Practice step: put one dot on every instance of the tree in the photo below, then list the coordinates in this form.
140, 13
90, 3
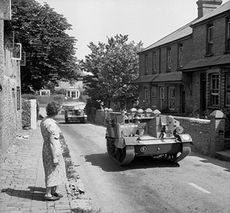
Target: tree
50, 51
114, 65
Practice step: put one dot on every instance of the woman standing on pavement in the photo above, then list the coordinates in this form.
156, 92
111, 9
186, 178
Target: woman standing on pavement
53, 161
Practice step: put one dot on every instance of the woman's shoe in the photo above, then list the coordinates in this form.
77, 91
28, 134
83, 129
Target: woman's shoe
57, 194
51, 198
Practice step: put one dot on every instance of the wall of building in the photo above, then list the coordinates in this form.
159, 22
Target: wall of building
161, 68
161, 56
200, 36
10, 105
1, 79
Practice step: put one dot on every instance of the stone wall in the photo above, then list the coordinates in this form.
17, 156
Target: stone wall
10, 103
202, 132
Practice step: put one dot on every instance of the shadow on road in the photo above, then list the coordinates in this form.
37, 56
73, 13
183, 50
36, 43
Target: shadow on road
217, 162
107, 164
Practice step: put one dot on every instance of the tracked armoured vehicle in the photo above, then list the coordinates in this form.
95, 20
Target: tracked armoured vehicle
145, 133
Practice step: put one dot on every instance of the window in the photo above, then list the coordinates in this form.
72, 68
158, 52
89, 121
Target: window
18, 98
73, 94
146, 95
214, 90
162, 93
209, 50
146, 64
228, 35
162, 98
154, 95
172, 98
169, 61
154, 62
227, 97
180, 55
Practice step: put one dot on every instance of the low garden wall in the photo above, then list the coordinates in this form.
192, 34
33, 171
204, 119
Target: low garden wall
203, 134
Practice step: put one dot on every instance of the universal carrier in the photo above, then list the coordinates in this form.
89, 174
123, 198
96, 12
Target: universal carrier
145, 133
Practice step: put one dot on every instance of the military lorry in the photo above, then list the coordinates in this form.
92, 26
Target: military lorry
145, 133
74, 111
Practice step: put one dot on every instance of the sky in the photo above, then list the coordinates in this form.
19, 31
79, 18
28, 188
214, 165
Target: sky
142, 20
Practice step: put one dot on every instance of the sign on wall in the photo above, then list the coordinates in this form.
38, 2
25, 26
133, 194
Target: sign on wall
5, 9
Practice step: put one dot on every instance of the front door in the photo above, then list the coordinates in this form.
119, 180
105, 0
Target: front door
182, 106
202, 93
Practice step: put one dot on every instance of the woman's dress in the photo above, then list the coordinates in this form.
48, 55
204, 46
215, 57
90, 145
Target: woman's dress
55, 174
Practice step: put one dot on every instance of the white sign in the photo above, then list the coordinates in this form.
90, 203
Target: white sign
5, 9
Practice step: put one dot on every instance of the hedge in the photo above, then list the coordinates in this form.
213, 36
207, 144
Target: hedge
26, 114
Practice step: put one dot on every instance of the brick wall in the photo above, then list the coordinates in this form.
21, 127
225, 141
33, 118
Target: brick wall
10, 115
199, 38
161, 67
187, 50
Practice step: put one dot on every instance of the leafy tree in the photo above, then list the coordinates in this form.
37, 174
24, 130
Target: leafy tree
49, 49
114, 65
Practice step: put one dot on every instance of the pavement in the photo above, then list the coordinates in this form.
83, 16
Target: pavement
22, 183
223, 155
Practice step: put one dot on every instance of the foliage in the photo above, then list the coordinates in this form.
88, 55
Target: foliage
25, 113
60, 91
44, 100
114, 65
29, 96
26, 97
49, 49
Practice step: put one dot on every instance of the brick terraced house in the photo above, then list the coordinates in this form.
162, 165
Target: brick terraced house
188, 71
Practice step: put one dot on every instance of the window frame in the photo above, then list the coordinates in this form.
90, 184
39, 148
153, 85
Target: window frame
146, 95
227, 90
209, 39
154, 62
172, 99
154, 94
227, 40
169, 59
146, 64
73, 94
214, 90
68, 93
180, 55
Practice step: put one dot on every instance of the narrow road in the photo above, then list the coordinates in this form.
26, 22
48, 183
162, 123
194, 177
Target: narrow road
196, 184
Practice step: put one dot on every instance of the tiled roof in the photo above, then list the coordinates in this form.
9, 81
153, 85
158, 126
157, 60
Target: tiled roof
145, 79
205, 62
221, 9
162, 77
186, 30
168, 77
178, 34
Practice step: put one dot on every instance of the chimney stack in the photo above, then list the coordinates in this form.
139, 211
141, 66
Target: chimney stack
206, 6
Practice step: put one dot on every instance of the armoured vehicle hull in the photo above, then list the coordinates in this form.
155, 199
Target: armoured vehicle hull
158, 136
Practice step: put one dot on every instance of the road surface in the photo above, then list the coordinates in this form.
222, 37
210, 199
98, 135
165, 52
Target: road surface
197, 184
